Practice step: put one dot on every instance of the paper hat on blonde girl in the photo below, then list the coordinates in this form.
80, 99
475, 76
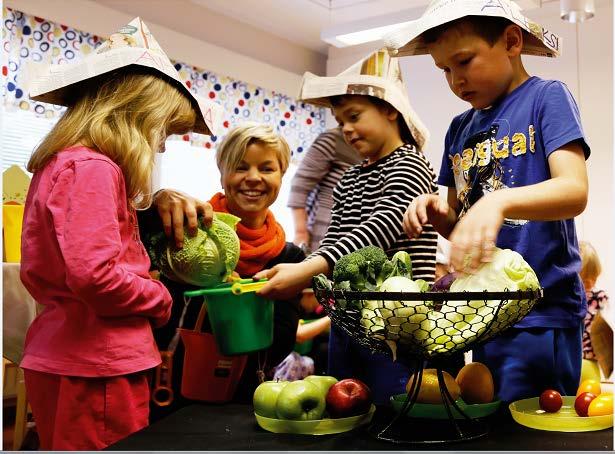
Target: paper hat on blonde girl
376, 75
133, 44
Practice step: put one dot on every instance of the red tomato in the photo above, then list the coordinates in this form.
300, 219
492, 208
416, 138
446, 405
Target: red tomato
581, 403
550, 401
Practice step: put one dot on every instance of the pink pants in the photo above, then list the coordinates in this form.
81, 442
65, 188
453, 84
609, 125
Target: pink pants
82, 413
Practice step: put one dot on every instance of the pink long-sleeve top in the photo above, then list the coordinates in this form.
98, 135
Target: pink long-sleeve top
83, 260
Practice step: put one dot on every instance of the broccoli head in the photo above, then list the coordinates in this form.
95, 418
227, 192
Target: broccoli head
376, 259
361, 269
350, 268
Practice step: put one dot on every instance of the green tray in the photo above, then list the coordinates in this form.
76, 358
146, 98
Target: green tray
436, 411
316, 427
527, 412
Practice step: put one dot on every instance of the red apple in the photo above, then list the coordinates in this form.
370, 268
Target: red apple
348, 397
581, 403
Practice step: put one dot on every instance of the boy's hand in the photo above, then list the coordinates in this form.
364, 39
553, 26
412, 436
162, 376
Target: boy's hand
473, 238
426, 208
173, 206
286, 280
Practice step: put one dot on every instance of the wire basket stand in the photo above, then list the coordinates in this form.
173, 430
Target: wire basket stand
413, 327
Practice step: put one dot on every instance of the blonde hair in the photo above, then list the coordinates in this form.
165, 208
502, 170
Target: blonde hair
590, 262
233, 148
126, 116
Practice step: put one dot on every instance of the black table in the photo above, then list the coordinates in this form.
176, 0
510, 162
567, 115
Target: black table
230, 427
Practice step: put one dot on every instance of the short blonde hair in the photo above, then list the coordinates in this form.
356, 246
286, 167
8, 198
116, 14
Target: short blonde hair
233, 148
590, 262
125, 115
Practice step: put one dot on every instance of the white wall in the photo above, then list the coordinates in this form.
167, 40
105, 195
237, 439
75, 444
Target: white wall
92, 17
586, 66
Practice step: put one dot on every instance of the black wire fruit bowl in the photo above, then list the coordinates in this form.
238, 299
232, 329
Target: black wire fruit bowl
413, 327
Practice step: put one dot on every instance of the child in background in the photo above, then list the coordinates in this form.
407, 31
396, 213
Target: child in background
370, 104
311, 192
88, 354
597, 301
515, 167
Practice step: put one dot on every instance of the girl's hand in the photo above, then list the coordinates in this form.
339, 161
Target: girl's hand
175, 206
473, 238
425, 209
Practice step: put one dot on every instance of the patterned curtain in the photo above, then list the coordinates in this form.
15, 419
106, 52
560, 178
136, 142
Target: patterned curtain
29, 38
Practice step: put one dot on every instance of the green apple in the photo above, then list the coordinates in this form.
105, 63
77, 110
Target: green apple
324, 381
266, 397
301, 400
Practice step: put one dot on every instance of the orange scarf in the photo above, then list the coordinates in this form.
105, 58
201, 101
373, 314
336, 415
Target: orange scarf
256, 246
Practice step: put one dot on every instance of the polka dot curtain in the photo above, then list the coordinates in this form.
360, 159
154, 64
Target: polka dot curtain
28, 38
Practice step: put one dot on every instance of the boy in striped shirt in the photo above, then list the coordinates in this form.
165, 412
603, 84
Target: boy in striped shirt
370, 104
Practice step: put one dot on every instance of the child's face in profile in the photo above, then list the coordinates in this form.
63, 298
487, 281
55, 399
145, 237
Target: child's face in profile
475, 71
370, 130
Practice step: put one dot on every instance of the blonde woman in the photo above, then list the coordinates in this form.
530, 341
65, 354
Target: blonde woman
87, 355
252, 160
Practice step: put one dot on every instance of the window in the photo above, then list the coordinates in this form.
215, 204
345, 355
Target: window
184, 167
22, 130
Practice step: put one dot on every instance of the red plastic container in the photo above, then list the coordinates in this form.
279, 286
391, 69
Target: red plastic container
207, 374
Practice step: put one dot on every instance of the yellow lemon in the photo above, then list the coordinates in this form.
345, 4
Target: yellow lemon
429, 392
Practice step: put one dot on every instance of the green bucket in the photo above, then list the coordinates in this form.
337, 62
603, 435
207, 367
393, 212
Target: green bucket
241, 323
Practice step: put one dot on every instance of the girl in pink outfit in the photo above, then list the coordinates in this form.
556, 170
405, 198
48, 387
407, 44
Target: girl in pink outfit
88, 354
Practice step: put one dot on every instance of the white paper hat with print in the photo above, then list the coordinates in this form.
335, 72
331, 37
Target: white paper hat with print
407, 39
376, 75
133, 44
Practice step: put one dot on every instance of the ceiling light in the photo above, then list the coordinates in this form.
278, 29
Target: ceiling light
366, 30
359, 37
577, 10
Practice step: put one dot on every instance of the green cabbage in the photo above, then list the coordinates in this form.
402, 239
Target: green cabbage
460, 322
206, 259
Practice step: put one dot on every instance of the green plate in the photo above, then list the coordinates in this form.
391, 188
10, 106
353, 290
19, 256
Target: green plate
316, 427
436, 411
527, 412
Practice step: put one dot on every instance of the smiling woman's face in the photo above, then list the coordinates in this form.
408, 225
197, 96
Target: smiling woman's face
254, 185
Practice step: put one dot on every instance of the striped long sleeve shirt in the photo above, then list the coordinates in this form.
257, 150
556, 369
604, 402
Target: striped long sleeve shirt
368, 207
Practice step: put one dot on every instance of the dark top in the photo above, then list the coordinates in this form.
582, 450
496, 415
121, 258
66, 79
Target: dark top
286, 319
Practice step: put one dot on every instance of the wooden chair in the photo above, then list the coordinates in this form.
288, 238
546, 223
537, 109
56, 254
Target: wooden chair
13, 384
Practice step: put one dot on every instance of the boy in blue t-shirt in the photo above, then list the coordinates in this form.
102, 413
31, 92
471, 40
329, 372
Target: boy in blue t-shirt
515, 167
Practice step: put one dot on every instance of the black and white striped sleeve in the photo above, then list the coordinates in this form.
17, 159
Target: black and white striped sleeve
402, 179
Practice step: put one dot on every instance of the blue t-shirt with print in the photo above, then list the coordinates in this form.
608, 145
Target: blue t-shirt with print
507, 146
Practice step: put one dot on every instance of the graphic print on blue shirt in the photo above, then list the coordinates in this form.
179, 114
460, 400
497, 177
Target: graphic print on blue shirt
507, 146
484, 174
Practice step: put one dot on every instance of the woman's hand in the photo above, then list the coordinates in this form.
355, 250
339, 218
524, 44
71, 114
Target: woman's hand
175, 206
426, 209
287, 280
473, 238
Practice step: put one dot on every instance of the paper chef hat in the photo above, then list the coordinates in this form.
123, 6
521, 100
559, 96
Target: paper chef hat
407, 39
376, 75
133, 44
